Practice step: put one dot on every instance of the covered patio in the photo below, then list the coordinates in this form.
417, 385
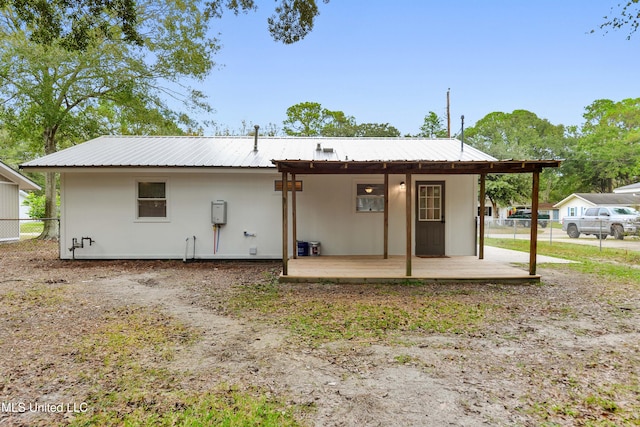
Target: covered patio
376, 269
406, 268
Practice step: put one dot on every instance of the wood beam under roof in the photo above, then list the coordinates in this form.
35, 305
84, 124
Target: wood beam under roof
422, 167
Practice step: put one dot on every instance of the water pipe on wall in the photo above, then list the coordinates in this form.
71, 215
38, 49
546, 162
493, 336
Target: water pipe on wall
186, 249
75, 244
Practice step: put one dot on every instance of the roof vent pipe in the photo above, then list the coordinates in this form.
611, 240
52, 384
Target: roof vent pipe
462, 135
255, 138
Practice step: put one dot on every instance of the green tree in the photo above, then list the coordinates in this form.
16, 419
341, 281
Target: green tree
72, 24
336, 123
52, 91
376, 130
607, 151
507, 190
109, 118
432, 127
311, 119
518, 135
628, 16
293, 20
305, 119
36, 203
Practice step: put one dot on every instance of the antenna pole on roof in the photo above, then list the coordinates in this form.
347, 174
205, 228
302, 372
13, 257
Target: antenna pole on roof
462, 135
255, 138
448, 116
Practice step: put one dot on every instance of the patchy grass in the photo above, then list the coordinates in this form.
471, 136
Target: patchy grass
224, 406
120, 362
130, 384
22, 299
324, 314
404, 359
563, 352
31, 226
594, 405
129, 332
612, 264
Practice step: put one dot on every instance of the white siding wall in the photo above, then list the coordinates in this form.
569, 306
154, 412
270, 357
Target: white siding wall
461, 211
103, 206
23, 210
9, 230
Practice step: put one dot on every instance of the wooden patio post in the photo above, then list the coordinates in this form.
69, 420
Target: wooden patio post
386, 215
533, 248
285, 224
481, 215
294, 225
408, 186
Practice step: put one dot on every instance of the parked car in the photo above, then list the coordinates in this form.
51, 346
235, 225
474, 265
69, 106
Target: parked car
523, 217
603, 221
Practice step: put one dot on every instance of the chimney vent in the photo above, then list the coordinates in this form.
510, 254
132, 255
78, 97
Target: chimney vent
255, 138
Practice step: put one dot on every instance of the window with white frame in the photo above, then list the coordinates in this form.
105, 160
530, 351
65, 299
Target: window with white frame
151, 199
573, 211
369, 197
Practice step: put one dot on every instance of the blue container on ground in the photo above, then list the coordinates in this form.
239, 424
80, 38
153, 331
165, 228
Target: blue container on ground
303, 248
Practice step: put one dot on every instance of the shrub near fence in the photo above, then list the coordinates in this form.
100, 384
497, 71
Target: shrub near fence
12, 230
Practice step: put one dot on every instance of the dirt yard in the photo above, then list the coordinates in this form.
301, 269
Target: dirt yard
565, 352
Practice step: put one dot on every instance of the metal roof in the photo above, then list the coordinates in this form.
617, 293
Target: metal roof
238, 152
632, 188
22, 181
602, 199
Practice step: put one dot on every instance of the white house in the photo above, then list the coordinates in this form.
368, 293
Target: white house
221, 197
577, 203
23, 212
628, 189
12, 184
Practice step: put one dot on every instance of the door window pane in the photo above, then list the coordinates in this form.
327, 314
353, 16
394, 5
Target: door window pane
429, 202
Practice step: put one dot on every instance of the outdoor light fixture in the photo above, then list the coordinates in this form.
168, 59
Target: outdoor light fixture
368, 190
402, 186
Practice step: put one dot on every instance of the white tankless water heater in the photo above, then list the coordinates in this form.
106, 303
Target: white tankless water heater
219, 212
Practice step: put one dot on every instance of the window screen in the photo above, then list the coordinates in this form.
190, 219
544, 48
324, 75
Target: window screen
152, 200
369, 197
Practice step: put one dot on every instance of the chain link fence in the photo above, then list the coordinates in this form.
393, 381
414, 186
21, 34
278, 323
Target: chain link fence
551, 231
20, 240
15, 230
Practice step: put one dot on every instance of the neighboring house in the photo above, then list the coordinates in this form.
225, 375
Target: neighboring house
628, 189
488, 211
577, 203
221, 197
11, 184
24, 209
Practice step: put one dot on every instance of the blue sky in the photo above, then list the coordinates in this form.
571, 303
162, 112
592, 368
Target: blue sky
392, 62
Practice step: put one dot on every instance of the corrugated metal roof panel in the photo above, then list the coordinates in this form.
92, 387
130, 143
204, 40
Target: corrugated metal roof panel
237, 152
9, 175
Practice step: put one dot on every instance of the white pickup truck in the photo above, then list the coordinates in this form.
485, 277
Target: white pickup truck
603, 221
